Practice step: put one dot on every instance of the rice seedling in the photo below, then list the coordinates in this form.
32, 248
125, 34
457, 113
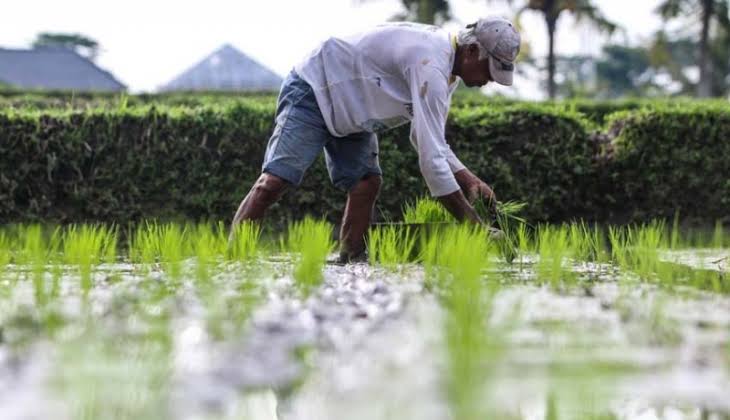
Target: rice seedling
585, 243
167, 244
504, 214
144, 245
500, 212
5, 251
505, 217
311, 241
208, 244
674, 236
698, 238
87, 245
554, 249
426, 210
462, 255
116, 375
429, 247
244, 242
227, 305
718, 236
56, 260
174, 248
645, 242
505, 238
523, 240
32, 258
597, 238
637, 249
578, 401
619, 243
460, 248
672, 274
391, 245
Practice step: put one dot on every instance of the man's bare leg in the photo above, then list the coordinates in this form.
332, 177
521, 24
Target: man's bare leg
265, 192
358, 213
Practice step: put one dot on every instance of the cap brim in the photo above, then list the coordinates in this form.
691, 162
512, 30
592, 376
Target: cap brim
503, 77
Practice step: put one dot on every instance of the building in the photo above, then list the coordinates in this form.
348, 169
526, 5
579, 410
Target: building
54, 68
226, 69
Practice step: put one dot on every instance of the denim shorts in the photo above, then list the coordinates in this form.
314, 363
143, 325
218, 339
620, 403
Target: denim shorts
301, 134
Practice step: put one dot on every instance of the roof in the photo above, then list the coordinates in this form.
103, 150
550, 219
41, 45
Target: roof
54, 68
226, 69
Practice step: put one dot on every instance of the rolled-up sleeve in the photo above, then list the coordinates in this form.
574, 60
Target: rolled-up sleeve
430, 95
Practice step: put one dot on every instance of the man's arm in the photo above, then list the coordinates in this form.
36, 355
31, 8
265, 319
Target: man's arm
447, 178
460, 202
459, 207
430, 100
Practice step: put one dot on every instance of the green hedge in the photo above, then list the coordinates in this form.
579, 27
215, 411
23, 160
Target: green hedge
138, 161
668, 160
60, 100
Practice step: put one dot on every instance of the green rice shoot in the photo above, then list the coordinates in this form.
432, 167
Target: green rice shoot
86, 246
245, 240
311, 241
426, 210
391, 246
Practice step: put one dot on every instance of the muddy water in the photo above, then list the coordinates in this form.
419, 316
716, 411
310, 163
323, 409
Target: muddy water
368, 343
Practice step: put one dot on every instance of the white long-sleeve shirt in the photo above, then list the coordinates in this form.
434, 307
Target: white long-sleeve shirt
386, 77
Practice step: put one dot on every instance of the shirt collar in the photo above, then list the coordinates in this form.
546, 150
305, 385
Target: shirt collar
454, 45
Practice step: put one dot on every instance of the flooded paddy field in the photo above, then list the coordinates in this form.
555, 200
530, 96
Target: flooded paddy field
176, 322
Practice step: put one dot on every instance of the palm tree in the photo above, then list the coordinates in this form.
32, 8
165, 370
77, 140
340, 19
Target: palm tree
707, 10
426, 11
431, 12
83, 45
551, 11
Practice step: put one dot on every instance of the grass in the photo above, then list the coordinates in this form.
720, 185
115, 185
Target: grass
311, 241
391, 246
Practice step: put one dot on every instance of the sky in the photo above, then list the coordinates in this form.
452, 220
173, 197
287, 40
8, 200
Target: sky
146, 43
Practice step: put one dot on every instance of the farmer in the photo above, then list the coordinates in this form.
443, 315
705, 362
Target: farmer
349, 88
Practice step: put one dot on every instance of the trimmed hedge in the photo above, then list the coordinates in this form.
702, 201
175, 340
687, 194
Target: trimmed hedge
672, 160
60, 100
132, 162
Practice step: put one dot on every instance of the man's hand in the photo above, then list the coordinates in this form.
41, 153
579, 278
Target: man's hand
475, 188
459, 203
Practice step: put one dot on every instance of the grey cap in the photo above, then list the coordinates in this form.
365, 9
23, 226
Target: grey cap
502, 41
